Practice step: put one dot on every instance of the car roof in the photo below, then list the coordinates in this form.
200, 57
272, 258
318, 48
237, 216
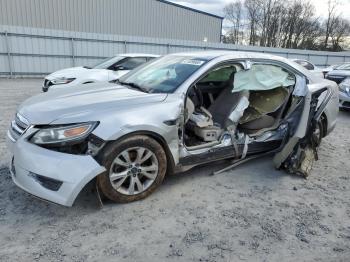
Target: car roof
137, 55
228, 54
209, 55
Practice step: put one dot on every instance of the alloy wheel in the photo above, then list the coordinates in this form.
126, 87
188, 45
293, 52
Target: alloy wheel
133, 171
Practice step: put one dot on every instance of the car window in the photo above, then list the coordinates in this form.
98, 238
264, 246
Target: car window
165, 74
150, 58
108, 62
222, 74
309, 66
132, 62
305, 64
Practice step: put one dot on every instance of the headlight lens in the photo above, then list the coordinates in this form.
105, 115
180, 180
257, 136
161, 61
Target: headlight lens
345, 84
62, 80
63, 134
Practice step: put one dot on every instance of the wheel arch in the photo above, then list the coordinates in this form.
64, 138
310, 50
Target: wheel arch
161, 140
324, 122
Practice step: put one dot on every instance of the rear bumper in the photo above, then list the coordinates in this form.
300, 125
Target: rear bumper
49, 175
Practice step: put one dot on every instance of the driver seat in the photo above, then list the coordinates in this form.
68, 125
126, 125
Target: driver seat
225, 103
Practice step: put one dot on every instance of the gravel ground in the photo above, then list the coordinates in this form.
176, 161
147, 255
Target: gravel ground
252, 213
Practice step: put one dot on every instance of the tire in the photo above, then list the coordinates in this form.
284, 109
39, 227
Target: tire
318, 132
135, 184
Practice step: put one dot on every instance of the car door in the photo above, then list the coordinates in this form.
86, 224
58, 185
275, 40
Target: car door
300, 150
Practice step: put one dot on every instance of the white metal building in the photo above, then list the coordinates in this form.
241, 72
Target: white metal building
146, 18
38, 37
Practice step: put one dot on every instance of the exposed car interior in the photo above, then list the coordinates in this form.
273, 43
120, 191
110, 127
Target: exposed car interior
236, 102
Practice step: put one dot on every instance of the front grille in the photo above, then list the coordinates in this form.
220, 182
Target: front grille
47, 83
18, 127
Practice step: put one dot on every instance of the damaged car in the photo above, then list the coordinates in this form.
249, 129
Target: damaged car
172, 114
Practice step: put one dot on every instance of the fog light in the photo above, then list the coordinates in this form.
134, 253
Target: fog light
49, 183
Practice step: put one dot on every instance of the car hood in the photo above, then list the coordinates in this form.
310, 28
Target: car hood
339, 73
75, 72
83, 103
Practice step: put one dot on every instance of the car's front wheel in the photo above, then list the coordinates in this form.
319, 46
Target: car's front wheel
135, 167
318, 133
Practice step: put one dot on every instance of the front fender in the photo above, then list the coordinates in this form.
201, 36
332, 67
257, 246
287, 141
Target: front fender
162, 119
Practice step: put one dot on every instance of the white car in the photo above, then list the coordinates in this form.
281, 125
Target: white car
310, 66
109, 69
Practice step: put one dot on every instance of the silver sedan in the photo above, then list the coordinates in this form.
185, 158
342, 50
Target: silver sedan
167, 116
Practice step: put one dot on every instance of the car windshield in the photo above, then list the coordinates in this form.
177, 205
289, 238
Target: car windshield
106, 63
343, 67
163, 75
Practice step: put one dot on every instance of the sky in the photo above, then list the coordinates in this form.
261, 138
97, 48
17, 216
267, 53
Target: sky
216, 6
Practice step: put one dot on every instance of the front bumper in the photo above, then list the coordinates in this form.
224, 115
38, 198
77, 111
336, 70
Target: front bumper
344, 99
72, 172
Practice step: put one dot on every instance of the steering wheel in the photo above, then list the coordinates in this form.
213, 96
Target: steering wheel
199, 96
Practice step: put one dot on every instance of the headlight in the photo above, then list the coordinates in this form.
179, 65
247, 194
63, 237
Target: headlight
62, 80
345, 84
63, 134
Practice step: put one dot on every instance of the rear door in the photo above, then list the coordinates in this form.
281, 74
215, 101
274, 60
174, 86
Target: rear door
300, 149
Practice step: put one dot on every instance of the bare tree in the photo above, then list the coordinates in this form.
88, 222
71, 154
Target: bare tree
340, 30
287, 24
234, 12
253, 17
331, 18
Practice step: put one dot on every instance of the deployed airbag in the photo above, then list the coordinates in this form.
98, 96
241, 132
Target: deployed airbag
262, 77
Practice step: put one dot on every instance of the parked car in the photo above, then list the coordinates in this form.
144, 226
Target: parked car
109, 69
310, 66
167, 116
341, 75
327, 69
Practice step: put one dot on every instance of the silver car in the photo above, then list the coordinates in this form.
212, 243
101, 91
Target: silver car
167, 116
341, 75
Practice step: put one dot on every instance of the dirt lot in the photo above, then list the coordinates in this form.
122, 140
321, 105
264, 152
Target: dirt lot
252, 213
